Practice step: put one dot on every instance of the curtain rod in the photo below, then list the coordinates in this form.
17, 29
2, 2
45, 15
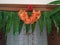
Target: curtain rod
17, 7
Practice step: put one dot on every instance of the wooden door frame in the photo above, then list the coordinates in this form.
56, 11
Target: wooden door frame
54, 37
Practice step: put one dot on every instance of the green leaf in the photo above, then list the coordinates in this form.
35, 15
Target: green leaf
33, 27
15, 23
56, 13
27, 27
4, 20
20, 26
1, 20
57, 16
4, 16
56, 10
0, 15
48, 23
56, 24
41, 22
9, 22
55, 2
50, 13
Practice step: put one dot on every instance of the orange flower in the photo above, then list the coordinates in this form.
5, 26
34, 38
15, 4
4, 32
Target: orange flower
29, 20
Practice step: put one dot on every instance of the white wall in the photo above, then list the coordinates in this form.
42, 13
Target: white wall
25, 1
23, 39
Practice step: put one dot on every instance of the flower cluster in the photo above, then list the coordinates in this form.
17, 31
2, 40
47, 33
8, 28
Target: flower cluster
29, 20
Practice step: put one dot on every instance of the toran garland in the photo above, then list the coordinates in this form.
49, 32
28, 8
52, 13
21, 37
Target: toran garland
29, 20
7, 19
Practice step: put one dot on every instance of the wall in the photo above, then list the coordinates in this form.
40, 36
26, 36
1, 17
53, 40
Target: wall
36, 38
25, 1
23, 39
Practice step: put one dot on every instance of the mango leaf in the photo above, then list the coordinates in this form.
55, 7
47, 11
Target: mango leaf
55, 2
9, 22
0, 15
4, 15
15, 23
57, 16
4, 20
41, 22
1, 19
20, 25
27, 27
50, 13
48, 23
56, 24
56, 10
33, 26
56, 13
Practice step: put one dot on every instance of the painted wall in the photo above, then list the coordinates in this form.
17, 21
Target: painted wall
32, 39
25, 1
23, 39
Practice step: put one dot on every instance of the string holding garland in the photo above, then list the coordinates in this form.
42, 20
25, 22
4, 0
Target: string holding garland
10, 18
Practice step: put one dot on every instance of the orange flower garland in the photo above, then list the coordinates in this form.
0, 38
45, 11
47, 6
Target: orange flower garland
29, 20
